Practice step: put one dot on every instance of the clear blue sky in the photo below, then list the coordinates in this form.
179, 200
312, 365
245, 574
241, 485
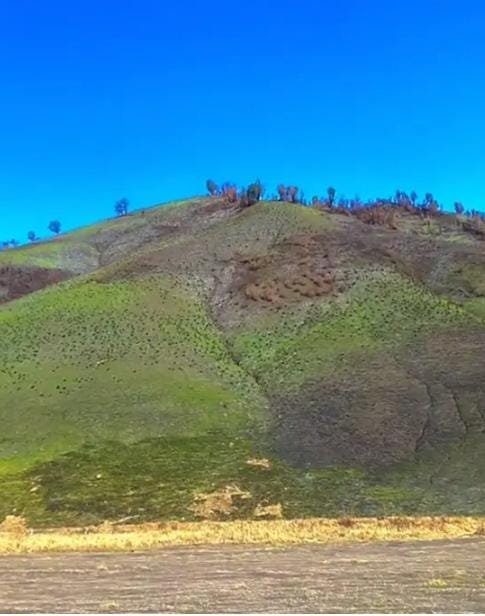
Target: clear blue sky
146, 99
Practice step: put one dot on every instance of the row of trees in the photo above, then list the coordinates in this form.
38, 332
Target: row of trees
255, 191
380, 211
292, 194
121, 209
54, 227
246, 196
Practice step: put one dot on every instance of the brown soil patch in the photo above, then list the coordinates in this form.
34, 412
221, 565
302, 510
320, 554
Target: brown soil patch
297, 269
16, 282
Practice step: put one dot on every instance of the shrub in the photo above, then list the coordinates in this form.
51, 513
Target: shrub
55, 226
121, 207
292, 192
376, 215
229, 192
253, 194
212, 188
474, 225
282, 192
14, 525
459, 208
9, 243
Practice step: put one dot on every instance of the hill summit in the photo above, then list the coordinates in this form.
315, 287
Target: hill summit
204, 359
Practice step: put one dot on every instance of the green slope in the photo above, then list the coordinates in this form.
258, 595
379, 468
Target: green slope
122, 360
381, 313
152, 377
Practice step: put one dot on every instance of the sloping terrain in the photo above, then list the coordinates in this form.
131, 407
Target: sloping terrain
202, 354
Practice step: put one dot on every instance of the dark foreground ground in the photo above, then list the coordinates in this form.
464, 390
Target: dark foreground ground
441, 576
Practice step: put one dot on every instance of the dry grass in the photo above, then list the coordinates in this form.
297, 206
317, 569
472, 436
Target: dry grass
263, 463
269, 512
113, 537
14, 526
218, 504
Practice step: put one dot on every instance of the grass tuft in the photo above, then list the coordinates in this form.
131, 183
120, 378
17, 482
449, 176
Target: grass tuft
274, 532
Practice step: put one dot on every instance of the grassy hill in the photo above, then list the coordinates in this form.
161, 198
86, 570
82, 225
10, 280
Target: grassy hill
197, 359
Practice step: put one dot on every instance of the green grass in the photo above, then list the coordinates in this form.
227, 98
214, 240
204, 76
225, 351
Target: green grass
122, 360
265, 224
136, 220
158, 478
387, 311
79, 251
62, 253
444, 480
120, 397
470, 278
476, 307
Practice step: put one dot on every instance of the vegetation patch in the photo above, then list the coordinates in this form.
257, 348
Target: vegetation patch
209, 477
121, 360
150, 386
256, 532
388, 311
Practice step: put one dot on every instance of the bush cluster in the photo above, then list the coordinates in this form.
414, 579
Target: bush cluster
378, 211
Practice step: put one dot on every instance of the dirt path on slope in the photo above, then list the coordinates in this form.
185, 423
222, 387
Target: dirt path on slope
441, 576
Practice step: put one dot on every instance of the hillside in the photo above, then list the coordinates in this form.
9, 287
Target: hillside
201, 359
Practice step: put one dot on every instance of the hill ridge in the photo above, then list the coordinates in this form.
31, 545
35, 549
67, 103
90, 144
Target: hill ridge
347, 355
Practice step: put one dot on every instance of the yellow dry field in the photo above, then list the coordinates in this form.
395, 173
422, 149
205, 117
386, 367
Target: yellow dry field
15, 537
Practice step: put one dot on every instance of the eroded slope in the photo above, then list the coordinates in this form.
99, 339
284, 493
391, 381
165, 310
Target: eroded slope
201, 336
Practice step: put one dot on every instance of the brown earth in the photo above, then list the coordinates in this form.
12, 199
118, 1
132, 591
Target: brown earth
17, 281
440, 576
384, 408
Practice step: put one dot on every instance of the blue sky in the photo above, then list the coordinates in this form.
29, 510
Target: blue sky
146, 99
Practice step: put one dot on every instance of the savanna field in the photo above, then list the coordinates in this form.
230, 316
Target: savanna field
213, 360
